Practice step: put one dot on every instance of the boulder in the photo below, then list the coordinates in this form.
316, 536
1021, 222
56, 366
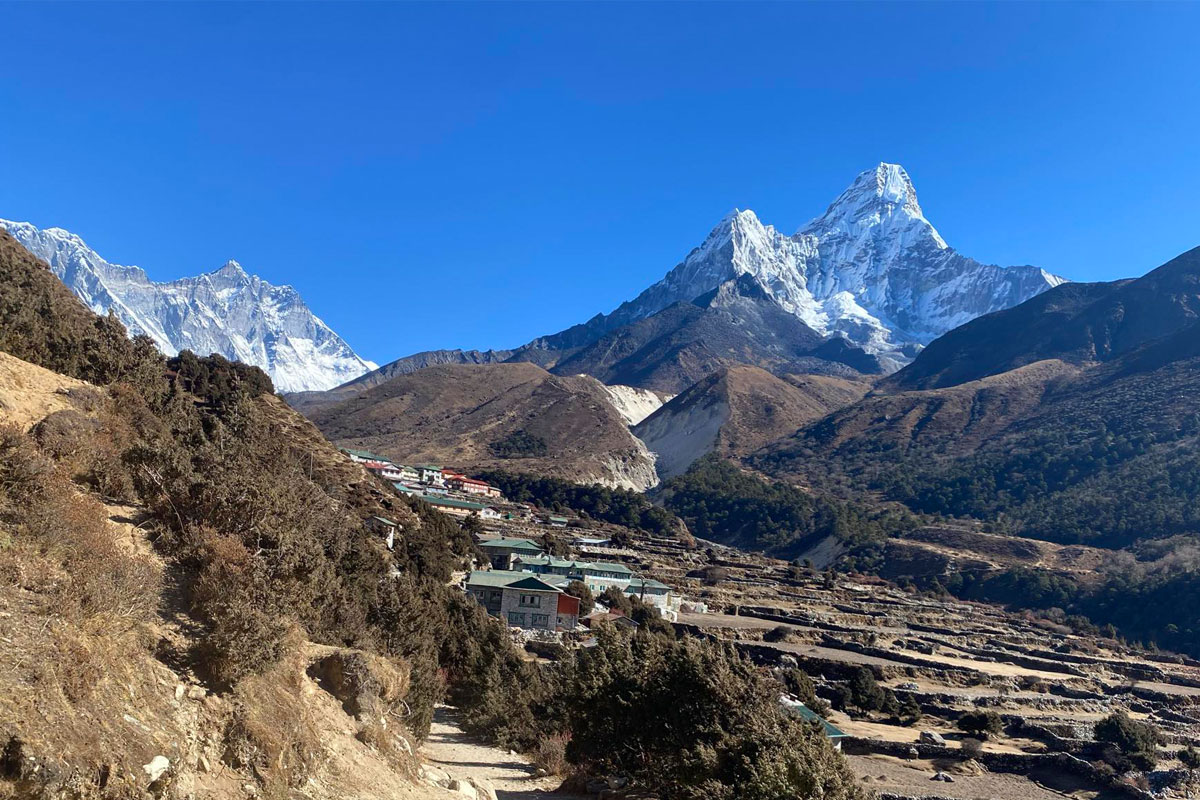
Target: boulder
438, 777
485, 790
157, 766
464, 788
932, 737
366, 684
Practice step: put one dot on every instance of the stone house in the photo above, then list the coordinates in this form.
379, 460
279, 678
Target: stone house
523, 600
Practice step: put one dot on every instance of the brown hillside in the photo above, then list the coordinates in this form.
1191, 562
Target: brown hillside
737, 410
459, 414
955, 419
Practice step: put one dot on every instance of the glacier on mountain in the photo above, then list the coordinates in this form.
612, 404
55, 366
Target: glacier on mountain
228, 311
871, 268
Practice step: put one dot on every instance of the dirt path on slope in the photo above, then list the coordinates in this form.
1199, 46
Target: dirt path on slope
511, 775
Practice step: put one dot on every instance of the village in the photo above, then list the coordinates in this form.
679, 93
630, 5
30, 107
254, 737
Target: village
916, 692
522, 583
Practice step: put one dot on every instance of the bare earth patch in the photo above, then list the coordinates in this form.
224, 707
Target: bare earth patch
510, 774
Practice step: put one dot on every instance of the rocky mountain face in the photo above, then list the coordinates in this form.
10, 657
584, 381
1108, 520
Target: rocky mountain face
871, 268
736, 410
634, 404
515, 417
228, 311
1071, 417
1078, 323
735, 323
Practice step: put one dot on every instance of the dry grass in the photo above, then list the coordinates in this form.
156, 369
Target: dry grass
274, 733
551, 754
77, 607
390, 741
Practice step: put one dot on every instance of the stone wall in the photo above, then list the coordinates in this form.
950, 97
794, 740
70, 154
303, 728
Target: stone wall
1012, 763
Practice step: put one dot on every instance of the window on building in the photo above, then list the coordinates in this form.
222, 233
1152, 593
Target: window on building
516, 618
531, 600
541, 620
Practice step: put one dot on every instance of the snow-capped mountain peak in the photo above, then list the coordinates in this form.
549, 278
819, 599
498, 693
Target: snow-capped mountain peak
227, 311
884, 196
231, 270
871, 268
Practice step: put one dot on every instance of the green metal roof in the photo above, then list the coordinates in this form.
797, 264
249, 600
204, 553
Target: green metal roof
512, 544
385, 521
501, 578
452, 503
605, 566
596, 566
806, 713
550, 561
494, 577
532, 583
367, 454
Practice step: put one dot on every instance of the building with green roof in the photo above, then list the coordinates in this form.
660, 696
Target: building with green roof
596, 575
798, 709
364, 455
524, 600
504, 552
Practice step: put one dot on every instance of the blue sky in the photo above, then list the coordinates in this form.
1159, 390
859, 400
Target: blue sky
460, 175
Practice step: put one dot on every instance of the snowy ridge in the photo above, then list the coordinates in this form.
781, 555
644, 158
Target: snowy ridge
227, 311
872, 268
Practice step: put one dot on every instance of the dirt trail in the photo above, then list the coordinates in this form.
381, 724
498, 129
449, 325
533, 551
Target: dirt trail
511, 775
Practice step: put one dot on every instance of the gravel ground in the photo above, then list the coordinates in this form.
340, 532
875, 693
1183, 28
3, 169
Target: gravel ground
463, 756
886, 774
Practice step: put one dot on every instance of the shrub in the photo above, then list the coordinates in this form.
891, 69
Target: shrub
970, 748
519, 444
981, 723
910, 711
780, 633
551, 754
586, 601
273, 730
1136, 741
800, 685
1189, 757
688, 718
866, 693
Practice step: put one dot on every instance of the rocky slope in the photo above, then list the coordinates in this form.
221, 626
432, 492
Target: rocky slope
460, 414
227, 311
736, 323
736, 410
1067, 418
1082, 323
634, 404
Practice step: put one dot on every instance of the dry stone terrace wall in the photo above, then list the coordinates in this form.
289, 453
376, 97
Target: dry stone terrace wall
1015, 763
945, 659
